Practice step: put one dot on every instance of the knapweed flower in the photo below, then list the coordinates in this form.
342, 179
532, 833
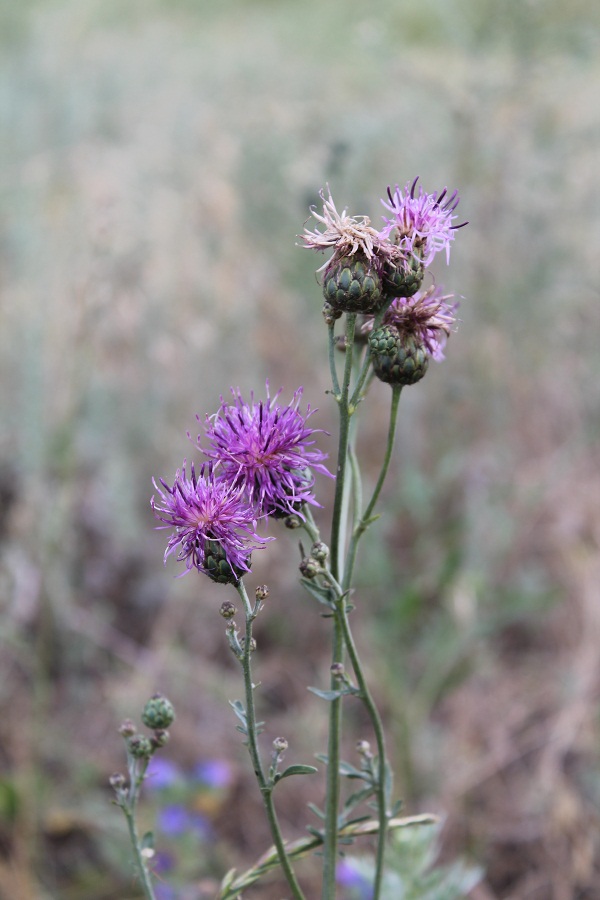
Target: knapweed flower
421, 223
214, 524
344, 235
265, 450
414, 330
352, 278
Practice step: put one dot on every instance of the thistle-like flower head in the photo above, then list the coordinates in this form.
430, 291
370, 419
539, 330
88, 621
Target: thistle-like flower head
421, 223
345, 235
209, 517
429, 316
266, 450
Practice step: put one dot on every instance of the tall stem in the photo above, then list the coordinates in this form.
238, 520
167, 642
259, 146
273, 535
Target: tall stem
337, 647
266, 787
135, 842
361, 525
383, 778
366, 519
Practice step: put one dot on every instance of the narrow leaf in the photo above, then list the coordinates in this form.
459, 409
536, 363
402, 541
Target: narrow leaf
227, 881
350, 771
147, 842
358, 797
298, 770
327, 695
318, 812
238, 708
323, 595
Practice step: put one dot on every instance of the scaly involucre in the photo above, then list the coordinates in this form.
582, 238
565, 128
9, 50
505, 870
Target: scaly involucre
201, 510
266, 450
428, 315
421, 223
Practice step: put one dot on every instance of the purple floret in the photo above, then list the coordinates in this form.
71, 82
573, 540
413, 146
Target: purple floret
202, 509
421, 223
267, 451
428, 315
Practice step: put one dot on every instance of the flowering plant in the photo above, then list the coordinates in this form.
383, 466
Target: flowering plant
261, 458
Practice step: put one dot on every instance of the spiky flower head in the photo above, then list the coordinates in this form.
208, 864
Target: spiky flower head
214, 524
429, 316
266, 450
421, 223
344, 235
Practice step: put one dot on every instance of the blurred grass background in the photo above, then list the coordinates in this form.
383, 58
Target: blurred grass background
157, 161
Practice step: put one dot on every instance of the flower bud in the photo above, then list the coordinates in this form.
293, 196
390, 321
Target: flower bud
127, 728
280, 745
352, 284
117, 781
364, 748
319, 551
160, 737
252, 643
398, 357
262, 592
337, 669
404, 279
330, 313
228, 609
292, 521
158, 713
309, 567
140, 746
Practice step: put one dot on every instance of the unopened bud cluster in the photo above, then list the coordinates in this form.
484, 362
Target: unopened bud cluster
314, 564
158, 714
379, 274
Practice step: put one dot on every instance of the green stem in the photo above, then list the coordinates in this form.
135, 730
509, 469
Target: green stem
140, 861
361, 525
383, 790
128, 808
332, 365
337, 523
341, 498
366, 519
266, 788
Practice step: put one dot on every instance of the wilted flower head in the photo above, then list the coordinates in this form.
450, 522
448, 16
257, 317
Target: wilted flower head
345, 235
429, 316
210, 518
421, 223
264, 449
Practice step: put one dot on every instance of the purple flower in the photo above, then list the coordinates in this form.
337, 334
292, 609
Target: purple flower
164, 891
213, 523
162, 862
162, 773
175, 820
421, 224
348, 876
214, 773
264, 449
428, 315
